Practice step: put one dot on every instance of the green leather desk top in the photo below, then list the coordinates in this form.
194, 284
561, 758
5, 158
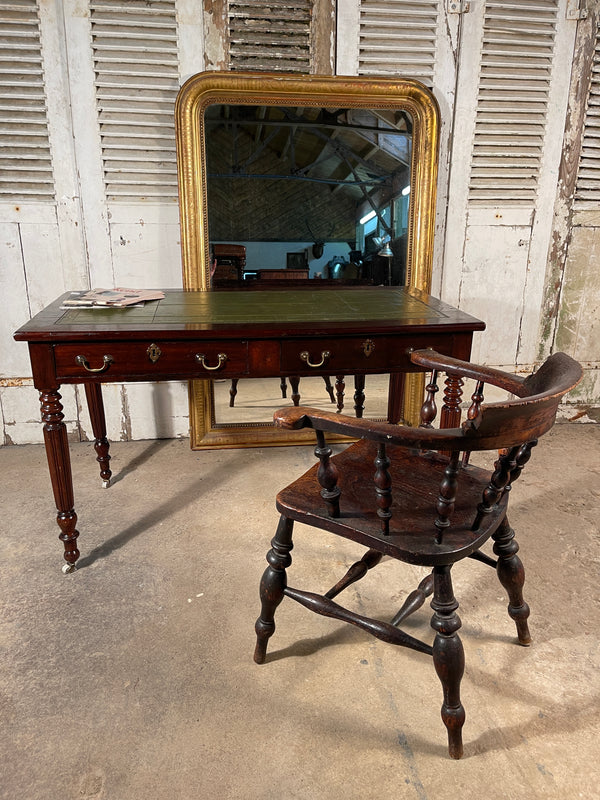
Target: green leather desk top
271, 310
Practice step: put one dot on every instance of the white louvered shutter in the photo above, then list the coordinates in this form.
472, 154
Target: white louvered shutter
512, 101
512, 97
134, 47
398, 37
25, 160
270, 36
587, 189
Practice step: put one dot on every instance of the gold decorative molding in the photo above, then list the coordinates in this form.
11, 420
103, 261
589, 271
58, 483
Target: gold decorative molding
251, 88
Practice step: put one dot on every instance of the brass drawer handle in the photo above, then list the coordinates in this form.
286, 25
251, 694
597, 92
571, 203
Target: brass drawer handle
201, 358
306, 357
83, 362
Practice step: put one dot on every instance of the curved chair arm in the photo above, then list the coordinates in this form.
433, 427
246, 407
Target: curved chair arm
430, 359
402, 435
555, 377
493, 426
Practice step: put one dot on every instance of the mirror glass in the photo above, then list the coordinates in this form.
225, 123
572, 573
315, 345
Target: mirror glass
305, 196
316, 190
288, 181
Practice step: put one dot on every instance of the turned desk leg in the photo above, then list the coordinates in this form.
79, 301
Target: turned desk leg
396, 397
93, 393
450, 414
340, 386
59, 463
295, 384
359, 395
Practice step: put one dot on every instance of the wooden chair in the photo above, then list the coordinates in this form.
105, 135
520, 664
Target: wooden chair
410, 493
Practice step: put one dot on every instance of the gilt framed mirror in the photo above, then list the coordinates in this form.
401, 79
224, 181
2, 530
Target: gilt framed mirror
319, 178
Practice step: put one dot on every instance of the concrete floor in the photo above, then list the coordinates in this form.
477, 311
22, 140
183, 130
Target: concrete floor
133, 679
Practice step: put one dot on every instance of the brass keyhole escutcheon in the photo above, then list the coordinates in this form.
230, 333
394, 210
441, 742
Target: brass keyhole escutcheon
368, 346
154, 353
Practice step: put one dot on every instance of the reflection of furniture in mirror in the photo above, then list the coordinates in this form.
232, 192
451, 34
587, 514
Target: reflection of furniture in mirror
267, 282
297, 260
358, 156
282, 274
294, 383
336, 396
230, 262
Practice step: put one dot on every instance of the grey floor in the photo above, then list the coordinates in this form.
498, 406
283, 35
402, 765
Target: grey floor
133, 679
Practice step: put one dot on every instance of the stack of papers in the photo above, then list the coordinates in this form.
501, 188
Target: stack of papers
112, 298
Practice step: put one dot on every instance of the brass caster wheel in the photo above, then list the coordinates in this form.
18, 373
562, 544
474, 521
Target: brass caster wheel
67, 568
106, 484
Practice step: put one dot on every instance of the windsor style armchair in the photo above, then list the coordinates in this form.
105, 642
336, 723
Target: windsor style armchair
410, 493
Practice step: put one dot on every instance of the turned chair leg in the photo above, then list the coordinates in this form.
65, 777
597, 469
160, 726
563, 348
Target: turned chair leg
272, 585
448, 656
512, 577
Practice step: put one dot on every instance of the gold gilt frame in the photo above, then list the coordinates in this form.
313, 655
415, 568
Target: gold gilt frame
252, 88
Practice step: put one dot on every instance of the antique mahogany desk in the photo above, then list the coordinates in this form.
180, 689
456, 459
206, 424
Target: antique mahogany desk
190, 335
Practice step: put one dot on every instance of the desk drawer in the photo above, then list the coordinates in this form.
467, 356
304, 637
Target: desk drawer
353, 354
158, 360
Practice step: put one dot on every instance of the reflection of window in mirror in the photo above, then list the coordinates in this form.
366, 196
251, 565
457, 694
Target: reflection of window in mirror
293, 186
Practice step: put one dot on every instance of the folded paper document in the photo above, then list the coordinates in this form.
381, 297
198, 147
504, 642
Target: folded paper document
113, 298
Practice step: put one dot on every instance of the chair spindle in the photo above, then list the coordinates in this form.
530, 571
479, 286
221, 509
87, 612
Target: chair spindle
521, 459
498, 482
429, 408
327, 476
447, 496
383, 488
473, 412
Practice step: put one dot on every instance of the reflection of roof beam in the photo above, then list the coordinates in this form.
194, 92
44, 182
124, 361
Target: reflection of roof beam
334, 181
260, 147
289, 144
342, 149
386, 139
387, 116
367, 197
299, 122
261, 115
368, 155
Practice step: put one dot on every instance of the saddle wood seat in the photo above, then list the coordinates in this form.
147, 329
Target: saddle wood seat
411, 494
